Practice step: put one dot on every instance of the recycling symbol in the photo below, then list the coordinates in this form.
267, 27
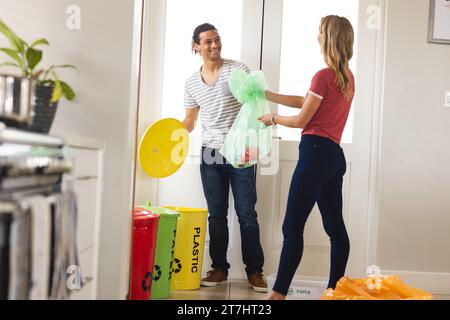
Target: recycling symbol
176, 260
171, 270
147, 281
157, 273
177, 266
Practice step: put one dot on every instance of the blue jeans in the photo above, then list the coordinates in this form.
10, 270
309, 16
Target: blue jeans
317, 178
216, 179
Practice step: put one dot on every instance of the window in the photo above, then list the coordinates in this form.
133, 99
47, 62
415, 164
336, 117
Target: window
300, 51
179, 62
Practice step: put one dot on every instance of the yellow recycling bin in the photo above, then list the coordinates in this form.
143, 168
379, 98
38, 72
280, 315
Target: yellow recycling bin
189, 247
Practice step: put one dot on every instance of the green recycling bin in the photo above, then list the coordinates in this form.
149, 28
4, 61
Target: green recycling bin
165, 246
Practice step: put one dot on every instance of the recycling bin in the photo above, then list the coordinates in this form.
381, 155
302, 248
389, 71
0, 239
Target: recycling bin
145, 228
189, 247
165, 246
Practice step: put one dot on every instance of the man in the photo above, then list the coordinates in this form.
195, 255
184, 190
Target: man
207, 94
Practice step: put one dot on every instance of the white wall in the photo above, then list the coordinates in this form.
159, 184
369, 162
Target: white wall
414, 205
102, 51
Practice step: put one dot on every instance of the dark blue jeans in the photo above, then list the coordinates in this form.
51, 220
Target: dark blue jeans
317, 178
216, 179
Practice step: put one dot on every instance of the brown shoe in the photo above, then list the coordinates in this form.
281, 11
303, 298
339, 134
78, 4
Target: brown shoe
257, 282
213, 278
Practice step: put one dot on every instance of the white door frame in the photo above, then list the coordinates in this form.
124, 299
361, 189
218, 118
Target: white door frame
151, 84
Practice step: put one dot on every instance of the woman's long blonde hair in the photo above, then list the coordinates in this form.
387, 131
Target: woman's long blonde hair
337, 48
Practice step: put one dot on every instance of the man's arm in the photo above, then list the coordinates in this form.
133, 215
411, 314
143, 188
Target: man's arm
290, 101
191, 118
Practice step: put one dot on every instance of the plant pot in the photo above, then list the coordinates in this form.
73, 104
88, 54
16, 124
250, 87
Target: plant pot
16, 100
43, 110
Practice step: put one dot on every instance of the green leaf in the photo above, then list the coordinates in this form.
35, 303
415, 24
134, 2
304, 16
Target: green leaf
67, 91
17, 43
13, 54
23, 45
9, 64
33, 57
50, 70
39, 42
57, 91
63, 66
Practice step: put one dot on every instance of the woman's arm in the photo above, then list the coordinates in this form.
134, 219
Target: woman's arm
310, 107
290, 101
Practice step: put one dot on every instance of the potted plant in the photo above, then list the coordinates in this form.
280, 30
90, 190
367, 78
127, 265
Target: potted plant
49, 88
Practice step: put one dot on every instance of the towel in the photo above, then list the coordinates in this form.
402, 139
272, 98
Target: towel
40, 249
20, 254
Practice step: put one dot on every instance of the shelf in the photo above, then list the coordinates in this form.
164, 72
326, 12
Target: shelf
9, 135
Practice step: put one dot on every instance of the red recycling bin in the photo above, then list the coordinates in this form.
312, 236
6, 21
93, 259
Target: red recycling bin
145, 227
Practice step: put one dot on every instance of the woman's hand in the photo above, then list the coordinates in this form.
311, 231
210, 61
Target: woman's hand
267, 119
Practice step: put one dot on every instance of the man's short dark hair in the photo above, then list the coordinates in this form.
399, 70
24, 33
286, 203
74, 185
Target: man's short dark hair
201, 28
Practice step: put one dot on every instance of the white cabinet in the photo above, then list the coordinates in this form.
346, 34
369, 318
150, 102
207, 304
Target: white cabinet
86, 190
86, 181
87, 292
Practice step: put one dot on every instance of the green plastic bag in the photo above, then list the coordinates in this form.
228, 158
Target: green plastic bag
248, 138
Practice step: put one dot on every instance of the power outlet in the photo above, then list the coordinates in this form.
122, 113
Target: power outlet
447, 99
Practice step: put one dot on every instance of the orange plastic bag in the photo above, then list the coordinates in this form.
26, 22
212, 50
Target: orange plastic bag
375, 288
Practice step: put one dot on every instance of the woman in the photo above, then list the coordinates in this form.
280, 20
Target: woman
321, 165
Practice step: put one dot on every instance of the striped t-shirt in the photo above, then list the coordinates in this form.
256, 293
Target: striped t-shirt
218, 107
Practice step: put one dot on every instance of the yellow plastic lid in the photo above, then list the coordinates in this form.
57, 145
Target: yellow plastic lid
163, 148
186, 209
189, 213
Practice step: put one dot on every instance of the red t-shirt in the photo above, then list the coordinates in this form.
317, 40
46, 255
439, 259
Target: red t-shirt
331, 116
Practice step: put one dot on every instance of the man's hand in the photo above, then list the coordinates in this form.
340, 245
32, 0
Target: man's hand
251, 154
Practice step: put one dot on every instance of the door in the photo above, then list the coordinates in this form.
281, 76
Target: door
291, 56
272, 35
168, 61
